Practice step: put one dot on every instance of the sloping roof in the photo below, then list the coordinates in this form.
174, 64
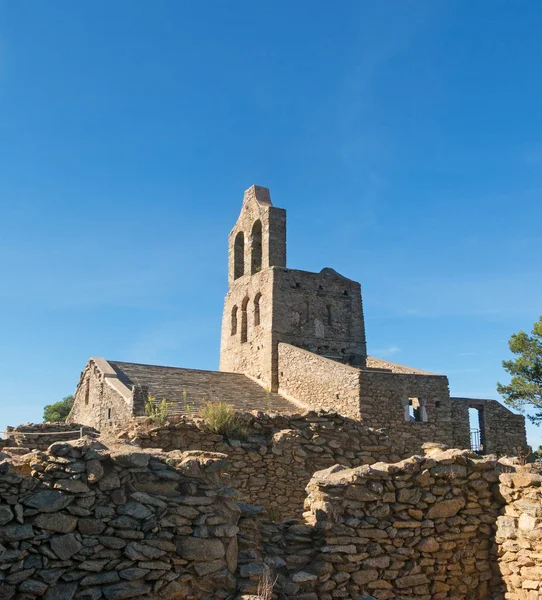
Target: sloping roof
190, 389
379, 363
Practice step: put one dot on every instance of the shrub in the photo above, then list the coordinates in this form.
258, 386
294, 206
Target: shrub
58, 411
158, 412
222, 418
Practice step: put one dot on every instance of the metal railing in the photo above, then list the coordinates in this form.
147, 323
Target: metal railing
11, 433
475, 440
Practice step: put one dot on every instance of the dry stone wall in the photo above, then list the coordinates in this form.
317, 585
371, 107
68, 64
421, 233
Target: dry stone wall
81, 521
519, 535
41, 435
421, 529
273, 465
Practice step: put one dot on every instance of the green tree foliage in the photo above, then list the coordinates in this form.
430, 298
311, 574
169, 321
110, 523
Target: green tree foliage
58, 411
525, 387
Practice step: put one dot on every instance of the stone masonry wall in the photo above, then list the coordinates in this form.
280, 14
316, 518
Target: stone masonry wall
275, 463
320, 312
501, 431
421, 529
41, 435
375, 397
504, 431
317, 381
101, 400
82, 521
381, 405
519, 534
460, 423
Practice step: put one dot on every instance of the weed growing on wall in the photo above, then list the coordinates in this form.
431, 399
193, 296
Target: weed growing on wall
222, 418
158, 412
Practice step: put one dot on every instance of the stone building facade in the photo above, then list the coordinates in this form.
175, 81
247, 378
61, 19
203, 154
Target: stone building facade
294, 340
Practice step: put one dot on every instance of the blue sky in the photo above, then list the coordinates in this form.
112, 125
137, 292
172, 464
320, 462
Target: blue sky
403, 138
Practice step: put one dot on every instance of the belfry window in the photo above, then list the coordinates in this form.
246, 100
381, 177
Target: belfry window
244, 321
256, 248
239, 255
234, 320
257, 309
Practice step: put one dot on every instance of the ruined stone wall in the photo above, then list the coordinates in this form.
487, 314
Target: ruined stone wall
504, 431
273, 465
420, 529
519, 534
501, 431
460, 423
381, 405
101, 400
318, 382
375, 397
81, 521
41, 435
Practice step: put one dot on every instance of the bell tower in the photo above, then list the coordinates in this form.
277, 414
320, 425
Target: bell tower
256, 244
258, 239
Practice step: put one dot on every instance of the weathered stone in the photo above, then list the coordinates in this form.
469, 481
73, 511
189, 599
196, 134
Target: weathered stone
94, 470
101, 578
33, 586
61, 591
73, 486
411, 581
15, 533
365, 576
193, 548
127, 589
6, 515
65, 546
135, 510
59, 522
445, 508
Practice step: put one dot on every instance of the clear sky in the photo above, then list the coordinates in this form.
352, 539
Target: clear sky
403, 138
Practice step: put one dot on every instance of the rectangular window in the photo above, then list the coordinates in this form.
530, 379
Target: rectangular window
109, 414
414, 409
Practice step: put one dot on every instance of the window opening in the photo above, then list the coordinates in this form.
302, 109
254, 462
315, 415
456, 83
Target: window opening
256, 254
414, 409
257, 309
239, 255
234, 320
244, 321
476, 430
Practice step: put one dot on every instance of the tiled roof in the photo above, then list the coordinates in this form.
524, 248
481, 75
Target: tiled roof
189, 389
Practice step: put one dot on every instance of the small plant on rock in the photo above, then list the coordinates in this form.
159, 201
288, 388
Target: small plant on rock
273, 513
223, 419
158, 412
266, 584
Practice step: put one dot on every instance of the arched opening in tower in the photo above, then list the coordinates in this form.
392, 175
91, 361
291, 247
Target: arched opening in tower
239, 255
256, 247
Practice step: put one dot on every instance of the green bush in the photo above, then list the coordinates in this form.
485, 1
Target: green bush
58, 411
223, 419
158, 412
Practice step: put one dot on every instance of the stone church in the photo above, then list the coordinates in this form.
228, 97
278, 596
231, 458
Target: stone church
291, 341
